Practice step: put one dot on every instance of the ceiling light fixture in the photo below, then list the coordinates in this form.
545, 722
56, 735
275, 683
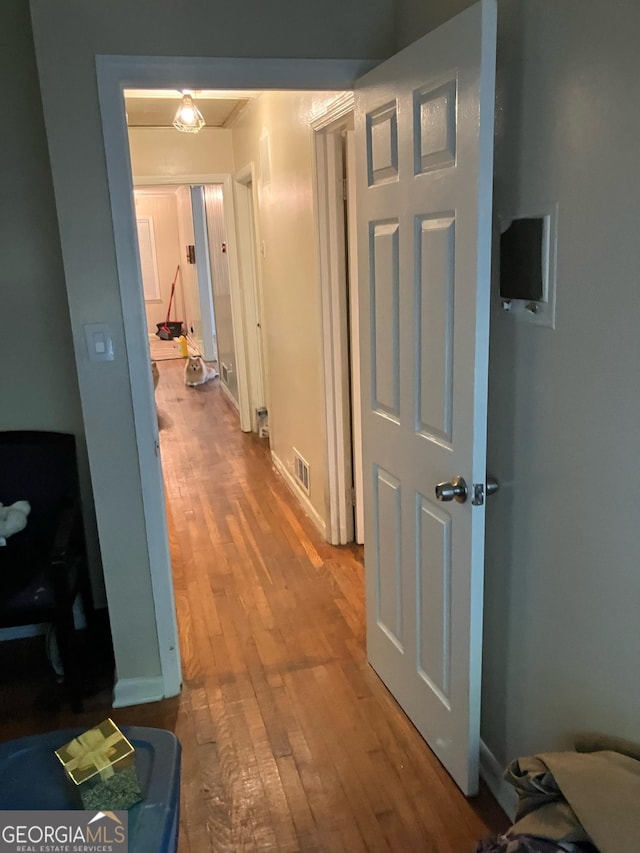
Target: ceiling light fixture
188, 119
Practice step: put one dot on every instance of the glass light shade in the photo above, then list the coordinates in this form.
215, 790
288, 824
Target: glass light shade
188, 119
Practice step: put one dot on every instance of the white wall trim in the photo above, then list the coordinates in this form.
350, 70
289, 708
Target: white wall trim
134, 72
156, 188
491, 771
142, 181
116, 147
237, 308
302, 498
203, 271
137, 691
354, 336
228, 393
246, 237
330, 206
340, 108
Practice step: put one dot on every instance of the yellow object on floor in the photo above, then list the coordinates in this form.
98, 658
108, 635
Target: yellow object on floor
184, 347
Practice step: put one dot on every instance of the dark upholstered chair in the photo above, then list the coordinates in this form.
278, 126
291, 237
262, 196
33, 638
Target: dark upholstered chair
43, 567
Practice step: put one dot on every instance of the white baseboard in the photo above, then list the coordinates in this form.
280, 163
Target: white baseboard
491, 771
307, 506
137, 691
229, 395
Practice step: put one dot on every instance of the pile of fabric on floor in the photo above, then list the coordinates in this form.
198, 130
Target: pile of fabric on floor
587, 801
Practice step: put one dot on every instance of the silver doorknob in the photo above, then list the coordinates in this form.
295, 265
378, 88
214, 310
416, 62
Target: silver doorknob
457, 489
493, 485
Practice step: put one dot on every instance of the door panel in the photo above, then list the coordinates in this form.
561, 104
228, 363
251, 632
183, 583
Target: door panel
385, 300
424, 134
433, 599
434, 296
387, 555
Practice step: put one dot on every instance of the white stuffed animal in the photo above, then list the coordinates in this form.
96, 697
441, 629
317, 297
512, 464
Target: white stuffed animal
13, 519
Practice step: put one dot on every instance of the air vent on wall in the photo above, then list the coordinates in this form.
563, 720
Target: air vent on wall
224, 372
301, 470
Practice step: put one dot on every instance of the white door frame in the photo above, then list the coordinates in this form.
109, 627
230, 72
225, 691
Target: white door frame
354, 332
244, 182
337, 293
203, 271
237, 311
114, 74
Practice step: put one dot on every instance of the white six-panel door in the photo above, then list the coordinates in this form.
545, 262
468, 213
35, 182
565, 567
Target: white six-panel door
424, 135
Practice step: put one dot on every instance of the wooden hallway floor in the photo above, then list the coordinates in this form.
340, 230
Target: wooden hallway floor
290, 741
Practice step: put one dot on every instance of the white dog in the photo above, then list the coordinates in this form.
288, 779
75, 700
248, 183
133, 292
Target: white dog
197, 371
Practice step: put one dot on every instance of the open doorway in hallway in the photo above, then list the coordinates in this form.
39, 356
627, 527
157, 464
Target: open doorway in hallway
255, 182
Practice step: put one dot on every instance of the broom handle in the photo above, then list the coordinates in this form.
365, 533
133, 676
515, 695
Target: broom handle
173, 287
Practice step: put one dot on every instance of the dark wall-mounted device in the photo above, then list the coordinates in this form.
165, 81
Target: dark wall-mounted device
521, 247
191, 254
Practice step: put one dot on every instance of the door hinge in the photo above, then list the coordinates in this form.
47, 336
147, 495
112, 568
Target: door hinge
156, 447
344, 189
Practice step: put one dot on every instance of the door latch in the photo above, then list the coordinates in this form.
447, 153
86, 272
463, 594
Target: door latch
478, 494
478, 490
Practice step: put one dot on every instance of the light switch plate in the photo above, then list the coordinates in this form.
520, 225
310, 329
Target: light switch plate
99, 342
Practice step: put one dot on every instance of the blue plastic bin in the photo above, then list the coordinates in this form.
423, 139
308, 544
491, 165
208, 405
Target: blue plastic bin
31, 777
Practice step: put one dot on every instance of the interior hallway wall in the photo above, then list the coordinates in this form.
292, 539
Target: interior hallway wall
562, 637
160, 152
38, 382
288, 259
414, 18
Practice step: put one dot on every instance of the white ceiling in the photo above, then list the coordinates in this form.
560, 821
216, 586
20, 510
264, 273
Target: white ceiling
157, 107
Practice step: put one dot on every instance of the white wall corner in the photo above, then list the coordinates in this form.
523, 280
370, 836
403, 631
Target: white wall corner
137, 691
492, 773
303, 499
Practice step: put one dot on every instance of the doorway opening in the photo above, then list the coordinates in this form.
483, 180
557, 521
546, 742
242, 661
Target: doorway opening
230, 216
237, 204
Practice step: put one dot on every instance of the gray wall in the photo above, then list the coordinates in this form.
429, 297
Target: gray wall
562, 638
414, 18
68, 35
38, 382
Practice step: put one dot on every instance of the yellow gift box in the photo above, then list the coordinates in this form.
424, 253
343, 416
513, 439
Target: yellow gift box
101, 764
